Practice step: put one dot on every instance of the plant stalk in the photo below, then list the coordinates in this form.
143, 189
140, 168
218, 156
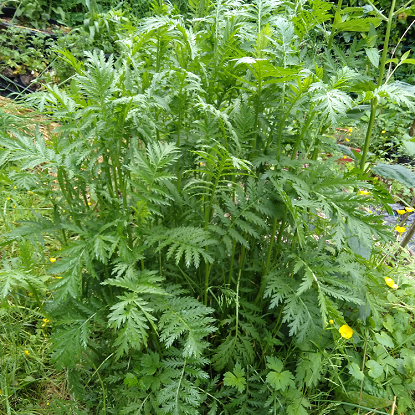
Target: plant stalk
374, 102
333, 31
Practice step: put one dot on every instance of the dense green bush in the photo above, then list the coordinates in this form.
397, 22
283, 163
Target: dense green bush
214, 255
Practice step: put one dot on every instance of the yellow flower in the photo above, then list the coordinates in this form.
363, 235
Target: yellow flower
52, 259
30, 192
347, 140
345, 331
383, 132
331, 321
401, 211
89, 203
409, 209
45, 320
350, 129
400, 229
59, 278
47, 403
369, 211
14, 206
391, 283
26, 352
14, 187
364, 193
7, 198
30, 294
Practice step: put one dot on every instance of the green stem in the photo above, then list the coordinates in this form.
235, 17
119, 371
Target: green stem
336, 18
232, 260
207, 273
257, 111
373, 108
271, 244
301, 135
374, 102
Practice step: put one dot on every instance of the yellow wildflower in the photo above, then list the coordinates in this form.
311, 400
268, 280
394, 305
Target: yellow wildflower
409, 209
89, 203
30, 192
400, 229
7, 198
45, 320
15, 187
347, 140
59, 278
345, 331
383, 131
14, 206
401, 211
350, 129
52, 259
391, 283
331, 321
364, 193
26, 352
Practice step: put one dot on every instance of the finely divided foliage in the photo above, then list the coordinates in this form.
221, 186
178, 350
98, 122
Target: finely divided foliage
203, 225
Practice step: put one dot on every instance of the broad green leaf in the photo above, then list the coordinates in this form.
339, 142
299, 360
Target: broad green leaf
393, 60
280, 381
396, 172
405, 55
384, 339
409, 147
411, 61
373, 55
375, 369
355, 371
237, 379
358, 25
274, 363
130, 379
366, 400
388, 323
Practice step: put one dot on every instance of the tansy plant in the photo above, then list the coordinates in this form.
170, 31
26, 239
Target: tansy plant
206, 240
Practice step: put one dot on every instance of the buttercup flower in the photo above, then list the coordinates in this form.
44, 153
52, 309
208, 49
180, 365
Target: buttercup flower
347, 140
331, 321
52, 259
401, 211
409, 209
383, 132
364, 193
345, 331
400, 229
7, 198
391, 283
26, 352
